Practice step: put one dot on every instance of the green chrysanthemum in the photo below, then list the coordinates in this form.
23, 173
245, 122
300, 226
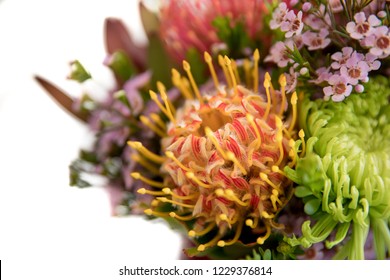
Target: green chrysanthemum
344, 174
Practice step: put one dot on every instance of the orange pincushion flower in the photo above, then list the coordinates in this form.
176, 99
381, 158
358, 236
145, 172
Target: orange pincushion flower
224, 152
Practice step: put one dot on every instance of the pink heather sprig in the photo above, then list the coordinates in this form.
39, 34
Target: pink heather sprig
332, 44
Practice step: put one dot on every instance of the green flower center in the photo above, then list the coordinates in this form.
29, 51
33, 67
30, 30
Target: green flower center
344, 176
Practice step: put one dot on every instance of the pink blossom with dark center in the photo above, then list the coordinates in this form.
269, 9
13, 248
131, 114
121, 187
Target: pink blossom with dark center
316, 40
340, 58
379, 42
292, 24
362, 27
278, 16
338, 89
279, 53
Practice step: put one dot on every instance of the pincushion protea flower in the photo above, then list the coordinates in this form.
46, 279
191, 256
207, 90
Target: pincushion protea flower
344, 174
192, 24
222, 158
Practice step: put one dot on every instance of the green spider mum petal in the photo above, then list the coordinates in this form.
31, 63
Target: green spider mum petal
343, 173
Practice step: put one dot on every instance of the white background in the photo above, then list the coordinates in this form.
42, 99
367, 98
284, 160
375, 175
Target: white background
47, 227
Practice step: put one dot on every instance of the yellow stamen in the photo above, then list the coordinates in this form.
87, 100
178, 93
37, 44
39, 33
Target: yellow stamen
191, 176
155, 203
170, 155
180, 84
166, 200
187, 68
211, 136
252, 223
229, 194
283, 83
209, 62
145, 152
222, 63
149, 166
228, 64
276, 168
154, 97
302, 136
279, 140
182, 197
256, 58
145, 191
237, 234
212, 242
225, 218
267, 85
267, 216
150, 212
261, 240
164, 96
235, 71
159, 122
148, 181
181, 218
230, 156
150, 125
294, 113
264, 177
247, 71
251, 121
275, 198
193, 233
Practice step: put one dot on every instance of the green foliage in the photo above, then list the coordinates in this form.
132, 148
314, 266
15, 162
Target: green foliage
235, 37
122, 66
78, 72
159, 62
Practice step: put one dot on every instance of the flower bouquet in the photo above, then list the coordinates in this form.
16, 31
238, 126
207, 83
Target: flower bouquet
258, 129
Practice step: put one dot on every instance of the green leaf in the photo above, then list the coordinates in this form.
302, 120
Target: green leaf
235, 37
78, 72
159, 62
198, 67
122, 66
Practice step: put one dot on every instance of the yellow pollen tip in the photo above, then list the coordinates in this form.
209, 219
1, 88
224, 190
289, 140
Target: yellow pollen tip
191, 233
219, 192
152, 94
282, 80
291, 143
166, 190
229, 192
148, 212
162, 199
221, 243
279, 137
141, 191
134, 144
263, 176
275, 168
136, 175
201, 248
186, 66
256, 54
169, 154
267, 80
249, 223
172, 214
207, 57
223, 217
301, 134
294, 98
278, 122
